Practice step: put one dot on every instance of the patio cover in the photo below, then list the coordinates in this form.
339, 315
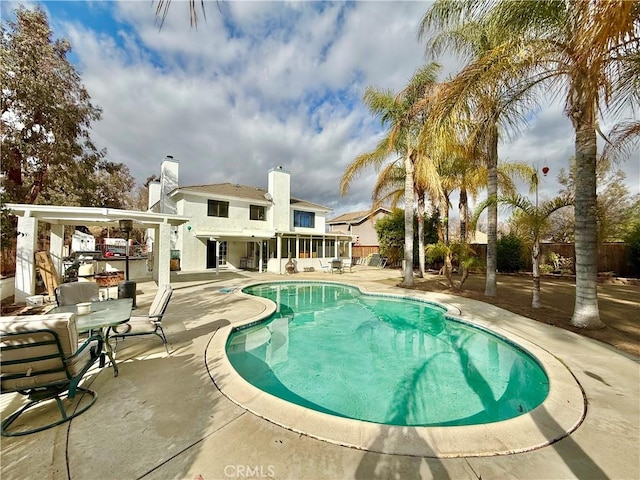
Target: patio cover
59, 216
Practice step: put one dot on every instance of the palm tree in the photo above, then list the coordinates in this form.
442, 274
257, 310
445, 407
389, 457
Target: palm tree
584, 46
389, 189
404, 122
626, 134
535, 219
488, 107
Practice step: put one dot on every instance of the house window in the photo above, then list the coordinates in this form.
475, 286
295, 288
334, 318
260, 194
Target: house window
216, 208
303, 219
256, 212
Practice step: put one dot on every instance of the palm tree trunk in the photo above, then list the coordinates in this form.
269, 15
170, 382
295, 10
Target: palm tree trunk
586, 313
463, 207
445, 219
535, 257
421, 256
492, 212
408, 221
448, 268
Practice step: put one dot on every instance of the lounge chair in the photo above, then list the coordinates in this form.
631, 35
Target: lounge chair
77, 292
41, 359
150, 324
325, 268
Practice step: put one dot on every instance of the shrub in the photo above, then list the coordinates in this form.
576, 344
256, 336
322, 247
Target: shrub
545, 268
510, 250
633, 240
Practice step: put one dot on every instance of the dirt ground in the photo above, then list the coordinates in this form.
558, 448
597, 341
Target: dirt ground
619, 304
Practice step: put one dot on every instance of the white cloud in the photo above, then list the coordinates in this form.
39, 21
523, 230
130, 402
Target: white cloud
262, 84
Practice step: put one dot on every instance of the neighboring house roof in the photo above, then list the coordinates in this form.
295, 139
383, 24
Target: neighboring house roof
243, 192
356, 217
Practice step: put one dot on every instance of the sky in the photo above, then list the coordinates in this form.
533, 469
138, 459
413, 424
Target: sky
264, 84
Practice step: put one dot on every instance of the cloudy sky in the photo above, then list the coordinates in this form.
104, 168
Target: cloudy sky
262, 84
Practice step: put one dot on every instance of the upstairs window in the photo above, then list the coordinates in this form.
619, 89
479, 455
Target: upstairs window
216, 208
257, 212
304, 219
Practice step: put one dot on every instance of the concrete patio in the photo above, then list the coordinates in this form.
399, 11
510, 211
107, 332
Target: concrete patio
164, 418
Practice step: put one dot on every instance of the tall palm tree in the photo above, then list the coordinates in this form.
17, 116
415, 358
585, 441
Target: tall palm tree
404, 122
490, 107
535, 219
583, 46
389, 189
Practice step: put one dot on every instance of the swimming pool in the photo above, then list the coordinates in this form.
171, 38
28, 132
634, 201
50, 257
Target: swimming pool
561, 412
392, 361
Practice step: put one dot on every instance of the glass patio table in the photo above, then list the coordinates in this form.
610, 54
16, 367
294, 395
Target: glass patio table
103, 315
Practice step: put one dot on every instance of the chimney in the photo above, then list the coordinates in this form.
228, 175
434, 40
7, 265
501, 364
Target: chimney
168, 183
280, 190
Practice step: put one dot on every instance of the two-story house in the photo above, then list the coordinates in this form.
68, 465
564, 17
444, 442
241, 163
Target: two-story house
360, 225
242, 227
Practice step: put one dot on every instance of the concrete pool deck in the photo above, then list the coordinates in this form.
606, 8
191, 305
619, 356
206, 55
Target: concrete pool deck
163, 417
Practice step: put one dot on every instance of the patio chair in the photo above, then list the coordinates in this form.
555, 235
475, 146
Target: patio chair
150, 324
77, 292
41, 359
324, 267
347, 264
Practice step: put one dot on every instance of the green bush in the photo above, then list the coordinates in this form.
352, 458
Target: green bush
510, 250
545, 268
633, 240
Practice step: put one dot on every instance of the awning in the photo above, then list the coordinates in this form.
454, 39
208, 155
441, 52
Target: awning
244, 235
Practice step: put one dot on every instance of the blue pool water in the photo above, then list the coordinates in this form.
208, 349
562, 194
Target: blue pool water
382, 359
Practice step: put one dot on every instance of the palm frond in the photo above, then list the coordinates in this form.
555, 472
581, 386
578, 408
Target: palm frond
363, 161
162, 10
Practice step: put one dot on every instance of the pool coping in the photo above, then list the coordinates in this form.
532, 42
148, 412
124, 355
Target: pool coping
558, 416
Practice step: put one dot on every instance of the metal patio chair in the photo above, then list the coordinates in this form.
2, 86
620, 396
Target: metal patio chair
41, 359
77, 292
150, 324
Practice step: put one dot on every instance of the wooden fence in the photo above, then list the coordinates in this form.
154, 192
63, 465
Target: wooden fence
612, 257
359, 251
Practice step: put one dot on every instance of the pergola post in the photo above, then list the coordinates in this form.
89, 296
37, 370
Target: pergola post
56, 247
25, 281
163, 253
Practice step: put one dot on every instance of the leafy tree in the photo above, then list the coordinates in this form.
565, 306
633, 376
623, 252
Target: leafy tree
7, 224
47, 153
391, 234
633, 240
390, 231
614, 212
